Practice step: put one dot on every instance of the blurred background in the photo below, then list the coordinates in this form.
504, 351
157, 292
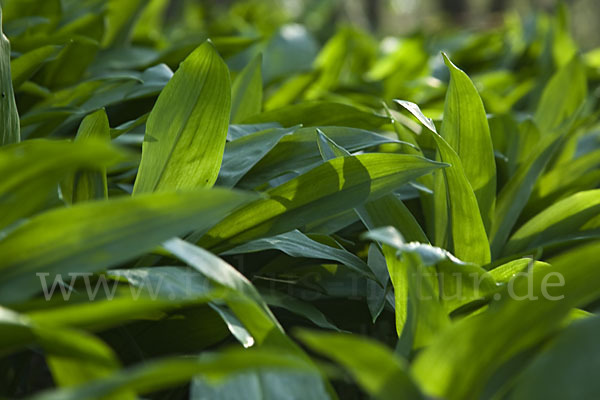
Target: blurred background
402, 17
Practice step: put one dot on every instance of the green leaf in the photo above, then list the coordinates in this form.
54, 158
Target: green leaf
465, 128
87, 185
9, 116
73, 357
160, 374
33, 169
562, 96
298, 307
376, 369
25, 66
336, 185
317, 113
249, 308
260, 385
299, 152
120, 19
297, 244
389, 210
80, 242
460, 361
420, 315
70, 65
247, 91
328, 148
187, 128
245, 152
458, 222
515, 194
575, 217
565, 368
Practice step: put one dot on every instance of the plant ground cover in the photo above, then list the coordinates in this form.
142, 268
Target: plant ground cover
211, 203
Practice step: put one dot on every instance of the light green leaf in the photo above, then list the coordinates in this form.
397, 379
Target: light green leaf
80, 242
25, 66
187, 128
376, 369
31, 171
562, 96
465, 129
160, 374
9, 116
460, 361
458, 222
575, 217
260, 385
299, 152
87, 185
247, 91
336, 185
320, 113
249, 307
121, 16
420, 315
565, 368
515, 194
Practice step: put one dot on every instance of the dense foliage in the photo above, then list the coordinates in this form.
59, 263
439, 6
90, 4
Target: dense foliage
207, 202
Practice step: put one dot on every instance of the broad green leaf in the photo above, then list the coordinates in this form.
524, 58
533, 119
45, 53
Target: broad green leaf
87, 185
460, 361
187, 128
565, 367
121, 15
31, 171
9, 116
458, 225
376, 369
76, 358
457, 282
465, 128
563, 95
25, 66
514, 195
389, 210
152, 292
245, 152
73, 357
302, 308
161, 374
575, 217
320, 113
299, 152
420, 315
297, 244
249, 308
245, 302
334, 186
80, 242
579, 174
260, 385
247, 91
505, 272
71, 63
